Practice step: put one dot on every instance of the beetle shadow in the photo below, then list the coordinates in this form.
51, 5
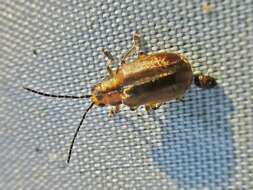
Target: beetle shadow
197, 147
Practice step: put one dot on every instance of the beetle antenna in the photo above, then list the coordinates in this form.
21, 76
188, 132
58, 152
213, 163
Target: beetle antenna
77, 130
56, 96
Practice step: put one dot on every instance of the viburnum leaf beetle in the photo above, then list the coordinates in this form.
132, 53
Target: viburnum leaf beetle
150, 80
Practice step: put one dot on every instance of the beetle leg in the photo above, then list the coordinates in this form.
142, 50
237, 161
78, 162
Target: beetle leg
151, 106
133, 108
108, 55
114, 110
180, 98
148, 108
134, 49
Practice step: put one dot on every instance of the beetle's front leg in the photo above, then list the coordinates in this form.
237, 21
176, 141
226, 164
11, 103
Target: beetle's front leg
114, 110
107, 54
135, 48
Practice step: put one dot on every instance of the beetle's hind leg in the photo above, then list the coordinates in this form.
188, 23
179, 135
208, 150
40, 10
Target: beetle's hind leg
134, 49
109, 56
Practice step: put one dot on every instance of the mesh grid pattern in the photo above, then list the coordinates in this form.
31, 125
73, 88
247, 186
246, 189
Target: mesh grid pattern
53, 46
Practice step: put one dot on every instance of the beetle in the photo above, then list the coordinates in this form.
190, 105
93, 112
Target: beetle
150, 80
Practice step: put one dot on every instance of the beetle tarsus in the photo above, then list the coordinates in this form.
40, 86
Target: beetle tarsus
109, 56
151, 107
114, 110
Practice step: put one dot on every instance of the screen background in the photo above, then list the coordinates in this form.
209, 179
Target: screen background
205, 142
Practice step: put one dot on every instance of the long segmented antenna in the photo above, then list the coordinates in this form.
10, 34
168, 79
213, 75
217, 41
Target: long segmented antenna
56, 96
70, 97
77, 130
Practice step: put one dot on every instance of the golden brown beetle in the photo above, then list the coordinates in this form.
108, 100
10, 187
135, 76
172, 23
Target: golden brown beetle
150, 80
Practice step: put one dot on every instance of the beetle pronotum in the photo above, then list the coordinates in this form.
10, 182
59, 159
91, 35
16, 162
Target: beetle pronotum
150, 80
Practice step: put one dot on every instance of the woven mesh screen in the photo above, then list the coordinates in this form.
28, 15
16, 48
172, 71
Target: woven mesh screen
205, 142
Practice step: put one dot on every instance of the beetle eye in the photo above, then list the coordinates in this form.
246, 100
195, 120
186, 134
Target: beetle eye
99, 96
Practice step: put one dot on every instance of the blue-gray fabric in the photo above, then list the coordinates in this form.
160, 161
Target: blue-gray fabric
205, 142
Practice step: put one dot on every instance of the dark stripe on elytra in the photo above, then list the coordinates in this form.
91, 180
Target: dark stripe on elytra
152, 85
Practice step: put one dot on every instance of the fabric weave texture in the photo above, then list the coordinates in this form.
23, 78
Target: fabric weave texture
205, 142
